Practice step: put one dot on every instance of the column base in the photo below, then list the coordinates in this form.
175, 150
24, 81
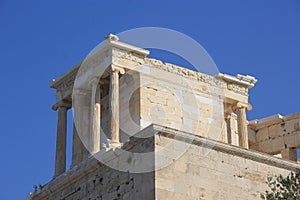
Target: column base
114, 145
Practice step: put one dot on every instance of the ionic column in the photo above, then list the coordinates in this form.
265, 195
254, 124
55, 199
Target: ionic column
60, 157
95, 117
228, 127
289, 154
114, 104
242, 125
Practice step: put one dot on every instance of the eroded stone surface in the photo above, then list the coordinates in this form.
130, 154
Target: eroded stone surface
223, 172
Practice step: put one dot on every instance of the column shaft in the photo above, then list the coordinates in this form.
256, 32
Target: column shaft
60, 158
114, 106
95, 118
242, 127
228, 128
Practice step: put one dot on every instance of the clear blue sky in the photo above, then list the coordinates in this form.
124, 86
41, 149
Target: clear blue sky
40, 40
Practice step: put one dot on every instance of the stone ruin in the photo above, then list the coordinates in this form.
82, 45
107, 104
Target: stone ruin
145, 129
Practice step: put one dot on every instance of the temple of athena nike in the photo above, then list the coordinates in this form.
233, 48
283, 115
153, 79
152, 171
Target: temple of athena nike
147, 129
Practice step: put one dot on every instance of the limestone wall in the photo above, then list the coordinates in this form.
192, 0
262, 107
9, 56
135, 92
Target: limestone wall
187, 168
210, 170
181, 103
93, 180
101, 183
150, 95
217, 176
276, 133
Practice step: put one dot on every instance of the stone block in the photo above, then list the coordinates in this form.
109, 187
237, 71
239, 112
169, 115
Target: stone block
262, 134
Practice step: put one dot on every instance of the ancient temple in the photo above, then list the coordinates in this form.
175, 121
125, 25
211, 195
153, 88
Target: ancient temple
146, 129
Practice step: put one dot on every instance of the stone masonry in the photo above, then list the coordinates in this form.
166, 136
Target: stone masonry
145, 129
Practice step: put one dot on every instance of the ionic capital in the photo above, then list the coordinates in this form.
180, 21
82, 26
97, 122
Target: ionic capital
227, 116
228, 109
63, 103
240, 105
117, 69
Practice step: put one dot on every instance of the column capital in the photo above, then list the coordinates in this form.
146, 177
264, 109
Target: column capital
227, 116
228, 109
240, 105
242, 127
62, 103
115, 68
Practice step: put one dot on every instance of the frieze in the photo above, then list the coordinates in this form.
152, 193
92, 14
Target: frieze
185, 72
123, 54
127, 55
197, 76
181, 71
237, 88
68, 83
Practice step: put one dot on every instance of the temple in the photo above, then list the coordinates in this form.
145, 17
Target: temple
146, 129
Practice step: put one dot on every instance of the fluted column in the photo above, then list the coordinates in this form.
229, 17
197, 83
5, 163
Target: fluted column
114, 104
228, 127
95, 117
60, 157
242, 126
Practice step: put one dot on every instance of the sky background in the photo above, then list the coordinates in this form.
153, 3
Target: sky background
40, 40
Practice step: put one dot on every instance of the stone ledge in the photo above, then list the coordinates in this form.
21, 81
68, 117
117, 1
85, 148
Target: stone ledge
272, 120
247, 81
227, 148
91, 164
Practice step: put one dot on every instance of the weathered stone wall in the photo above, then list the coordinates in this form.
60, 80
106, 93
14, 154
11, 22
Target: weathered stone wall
150, 95
105, 183
187, 167
93, 180
213, 171
216, 176
276, 133
182, 103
